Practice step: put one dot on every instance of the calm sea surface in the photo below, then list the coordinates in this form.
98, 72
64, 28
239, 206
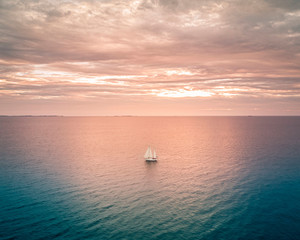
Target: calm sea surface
85, 178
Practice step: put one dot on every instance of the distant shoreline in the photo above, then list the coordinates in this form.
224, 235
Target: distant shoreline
32, 116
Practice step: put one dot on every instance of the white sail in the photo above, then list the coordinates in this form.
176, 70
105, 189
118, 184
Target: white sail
154, 154
148, 153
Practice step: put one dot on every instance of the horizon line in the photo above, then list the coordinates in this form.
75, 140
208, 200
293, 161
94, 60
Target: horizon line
125, 115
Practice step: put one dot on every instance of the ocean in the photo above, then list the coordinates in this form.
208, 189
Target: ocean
86, 178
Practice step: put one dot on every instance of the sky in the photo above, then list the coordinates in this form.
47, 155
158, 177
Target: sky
150, 57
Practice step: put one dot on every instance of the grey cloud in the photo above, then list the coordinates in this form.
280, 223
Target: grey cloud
291, 5
212, 39
71, 36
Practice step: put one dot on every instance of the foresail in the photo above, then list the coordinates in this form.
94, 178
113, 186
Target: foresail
148, 153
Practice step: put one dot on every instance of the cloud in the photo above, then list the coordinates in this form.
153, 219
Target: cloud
148, 48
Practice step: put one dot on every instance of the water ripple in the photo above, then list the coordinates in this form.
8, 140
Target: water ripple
85, 178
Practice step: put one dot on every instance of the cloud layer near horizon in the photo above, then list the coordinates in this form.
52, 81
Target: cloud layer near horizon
121, 57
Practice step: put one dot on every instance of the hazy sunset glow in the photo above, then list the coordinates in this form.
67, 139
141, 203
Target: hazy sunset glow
150, 57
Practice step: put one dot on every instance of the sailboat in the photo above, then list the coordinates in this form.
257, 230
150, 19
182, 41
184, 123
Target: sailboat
149, 156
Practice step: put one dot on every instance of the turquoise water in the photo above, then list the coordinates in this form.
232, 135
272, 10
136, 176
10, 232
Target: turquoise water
85, 178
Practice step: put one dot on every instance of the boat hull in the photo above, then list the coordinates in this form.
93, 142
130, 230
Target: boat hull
151, 160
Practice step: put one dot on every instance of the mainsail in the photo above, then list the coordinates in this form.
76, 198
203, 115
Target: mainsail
154, 154
148, 153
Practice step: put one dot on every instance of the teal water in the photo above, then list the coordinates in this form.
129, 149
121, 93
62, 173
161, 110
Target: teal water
85, 178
